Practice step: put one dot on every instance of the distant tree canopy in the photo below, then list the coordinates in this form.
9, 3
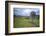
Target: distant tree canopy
32, 14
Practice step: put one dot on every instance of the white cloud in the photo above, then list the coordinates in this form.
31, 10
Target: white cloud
25, 12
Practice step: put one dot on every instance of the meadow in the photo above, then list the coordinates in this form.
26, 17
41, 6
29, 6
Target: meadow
21, 22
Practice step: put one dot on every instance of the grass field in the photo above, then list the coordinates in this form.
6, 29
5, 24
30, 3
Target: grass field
20, 22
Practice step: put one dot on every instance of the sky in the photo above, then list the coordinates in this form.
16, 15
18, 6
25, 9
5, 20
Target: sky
25, 11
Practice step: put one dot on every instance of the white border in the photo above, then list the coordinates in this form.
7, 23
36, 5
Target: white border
30, 29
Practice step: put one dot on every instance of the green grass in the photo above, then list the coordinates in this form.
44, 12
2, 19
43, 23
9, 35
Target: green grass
20, 22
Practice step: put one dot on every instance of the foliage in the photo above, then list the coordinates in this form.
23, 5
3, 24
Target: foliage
33, 14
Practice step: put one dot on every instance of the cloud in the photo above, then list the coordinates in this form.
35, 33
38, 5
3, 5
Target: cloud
25, 11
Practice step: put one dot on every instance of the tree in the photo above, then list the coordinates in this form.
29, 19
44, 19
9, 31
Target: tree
32, 15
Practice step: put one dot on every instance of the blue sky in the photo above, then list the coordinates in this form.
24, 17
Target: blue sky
25, 11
